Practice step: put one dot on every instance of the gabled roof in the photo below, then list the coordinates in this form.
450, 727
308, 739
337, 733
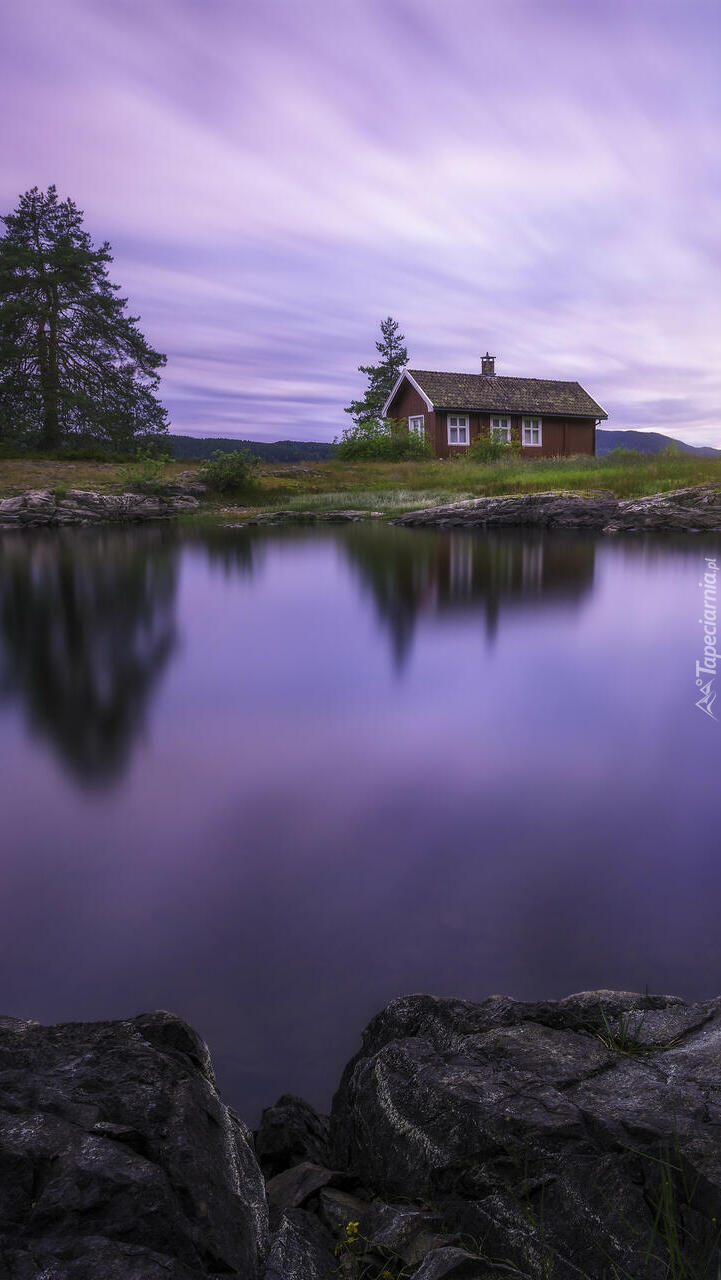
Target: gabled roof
492, 393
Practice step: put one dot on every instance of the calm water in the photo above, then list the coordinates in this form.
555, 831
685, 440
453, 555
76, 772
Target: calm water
272, 779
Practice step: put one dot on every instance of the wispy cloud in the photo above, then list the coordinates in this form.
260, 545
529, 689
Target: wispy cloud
540, 179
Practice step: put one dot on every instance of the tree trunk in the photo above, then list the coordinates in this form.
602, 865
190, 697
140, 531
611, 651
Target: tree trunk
50, 381
48, 354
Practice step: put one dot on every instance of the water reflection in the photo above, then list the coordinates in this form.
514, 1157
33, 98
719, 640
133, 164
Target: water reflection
87, 617
86, 629
412, 573
532, 808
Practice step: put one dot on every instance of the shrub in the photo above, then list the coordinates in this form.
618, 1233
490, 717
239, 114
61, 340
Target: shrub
493, 448
383, 439
146, 471
223, 472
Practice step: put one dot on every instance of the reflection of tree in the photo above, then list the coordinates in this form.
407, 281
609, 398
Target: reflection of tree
86, 629
233, 550
412, 572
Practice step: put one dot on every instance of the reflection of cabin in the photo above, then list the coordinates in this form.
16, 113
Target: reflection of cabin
544, 417
426, 575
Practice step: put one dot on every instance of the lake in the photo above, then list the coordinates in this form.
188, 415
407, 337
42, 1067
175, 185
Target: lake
272, 778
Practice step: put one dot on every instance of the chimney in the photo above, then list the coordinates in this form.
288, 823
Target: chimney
488, 365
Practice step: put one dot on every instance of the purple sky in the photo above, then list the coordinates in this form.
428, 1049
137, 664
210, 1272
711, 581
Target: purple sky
539, 177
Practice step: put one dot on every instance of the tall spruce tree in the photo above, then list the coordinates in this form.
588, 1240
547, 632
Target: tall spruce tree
72, 361
382, 376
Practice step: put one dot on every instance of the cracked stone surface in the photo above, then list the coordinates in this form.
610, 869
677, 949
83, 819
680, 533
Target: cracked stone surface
119, 1159
40, 507
557, 1119
693, 510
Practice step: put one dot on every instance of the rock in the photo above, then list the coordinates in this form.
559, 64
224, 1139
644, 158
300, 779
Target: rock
291, 1188
79, 506
118, 1158
291, 1132
337, 1208
453, 1262
302, 1249
576, 1138
552, 510
548, 1131
694, 510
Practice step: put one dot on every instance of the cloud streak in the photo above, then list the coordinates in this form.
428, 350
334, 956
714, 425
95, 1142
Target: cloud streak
542, 180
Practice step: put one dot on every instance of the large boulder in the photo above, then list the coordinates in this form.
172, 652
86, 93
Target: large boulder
289, 1133
580, 1137
694, 510
302, 1249
553, 510
40, 507
119, 1160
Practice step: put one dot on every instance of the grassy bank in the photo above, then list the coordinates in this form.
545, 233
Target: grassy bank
379, 486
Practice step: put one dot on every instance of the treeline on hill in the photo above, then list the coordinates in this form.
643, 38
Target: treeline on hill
192, 448
647, 442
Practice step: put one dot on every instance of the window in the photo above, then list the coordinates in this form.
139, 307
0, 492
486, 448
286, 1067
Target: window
417, 425
531, 431
501, 428
457, 428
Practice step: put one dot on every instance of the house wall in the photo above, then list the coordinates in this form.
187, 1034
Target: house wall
561, 436
408, 403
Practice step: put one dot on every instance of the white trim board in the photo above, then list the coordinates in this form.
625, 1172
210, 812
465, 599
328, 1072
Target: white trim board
414, 384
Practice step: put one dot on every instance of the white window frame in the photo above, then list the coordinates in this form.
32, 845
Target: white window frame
528, 426
501, 424
459, 422
417, 424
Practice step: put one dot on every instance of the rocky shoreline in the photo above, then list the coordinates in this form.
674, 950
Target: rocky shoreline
694, 510
575, 1139
43, 507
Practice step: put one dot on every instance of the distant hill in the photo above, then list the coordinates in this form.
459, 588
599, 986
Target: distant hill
279, 451
647, 442
194, 447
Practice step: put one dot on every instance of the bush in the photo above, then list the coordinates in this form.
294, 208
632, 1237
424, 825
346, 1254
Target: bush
223, 472
146, 471
383, 439
154, 448
493, 448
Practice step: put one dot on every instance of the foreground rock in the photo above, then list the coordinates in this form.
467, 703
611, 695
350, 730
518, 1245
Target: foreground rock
576, 1139
695, 510
575, 1135
119, 1160
79, 506
290, 1133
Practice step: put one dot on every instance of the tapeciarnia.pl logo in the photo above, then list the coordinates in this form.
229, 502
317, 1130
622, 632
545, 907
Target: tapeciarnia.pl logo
710, 653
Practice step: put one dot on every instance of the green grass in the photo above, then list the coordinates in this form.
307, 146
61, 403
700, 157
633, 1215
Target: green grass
623, 1034
18, 474
389, 487
386, 500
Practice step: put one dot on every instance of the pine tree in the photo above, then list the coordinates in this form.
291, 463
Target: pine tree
383, 376
72, 361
